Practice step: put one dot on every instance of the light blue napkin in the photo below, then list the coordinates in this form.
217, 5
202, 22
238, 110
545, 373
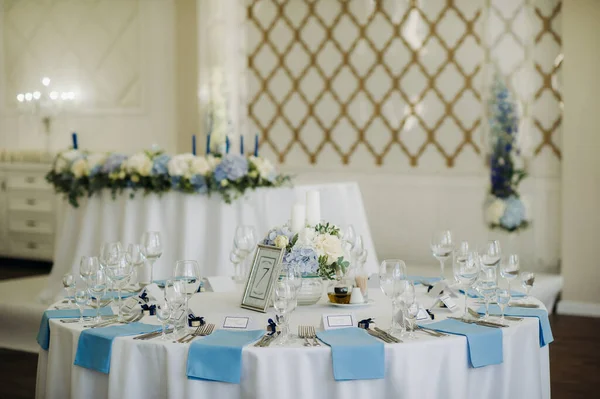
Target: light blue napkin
356, 355
43, 337
474, 294
218, 357
95, 344
484, 343
428, 280
542, 315
115, 295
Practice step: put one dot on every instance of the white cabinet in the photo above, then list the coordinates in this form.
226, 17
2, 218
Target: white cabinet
27, 211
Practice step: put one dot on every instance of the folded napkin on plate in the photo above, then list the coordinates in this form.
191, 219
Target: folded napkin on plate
218, 357
542, 315
95, 345
474, 294
428, 280
356, 355
43, 337
483, 343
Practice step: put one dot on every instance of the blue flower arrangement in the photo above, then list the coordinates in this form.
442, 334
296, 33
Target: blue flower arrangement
504, 208
79, 174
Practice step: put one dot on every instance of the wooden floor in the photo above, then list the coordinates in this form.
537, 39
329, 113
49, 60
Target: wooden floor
574, 354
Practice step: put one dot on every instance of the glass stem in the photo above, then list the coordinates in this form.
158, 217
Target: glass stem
487, 308
151, 271
164, 330
466, 290
442, 261
97, 308
502, 309
80, 314
119, 303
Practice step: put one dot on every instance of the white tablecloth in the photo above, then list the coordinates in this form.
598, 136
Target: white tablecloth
192, 226
427, 367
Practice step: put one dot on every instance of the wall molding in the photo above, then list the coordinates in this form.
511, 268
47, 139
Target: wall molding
575, 308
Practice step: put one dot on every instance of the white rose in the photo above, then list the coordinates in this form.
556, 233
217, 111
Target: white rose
199, 166
306, 237
494, 211
281, 241
80, 168
64, 160
139, 163
264, 166
330, 246
96, 159
179, 165
212, 161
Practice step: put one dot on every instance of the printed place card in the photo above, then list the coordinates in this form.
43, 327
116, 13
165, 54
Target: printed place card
422, 314
448, 301
236, 322
129, 305
339, 320
437, 289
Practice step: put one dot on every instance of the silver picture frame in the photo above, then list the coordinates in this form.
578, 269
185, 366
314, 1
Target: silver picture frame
264, 271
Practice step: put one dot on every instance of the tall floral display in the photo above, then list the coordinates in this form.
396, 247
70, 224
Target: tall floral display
504, 208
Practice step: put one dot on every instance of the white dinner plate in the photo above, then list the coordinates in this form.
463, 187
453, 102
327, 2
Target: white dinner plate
351, 305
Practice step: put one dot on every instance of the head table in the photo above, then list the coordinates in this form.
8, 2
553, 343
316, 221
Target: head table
424, 367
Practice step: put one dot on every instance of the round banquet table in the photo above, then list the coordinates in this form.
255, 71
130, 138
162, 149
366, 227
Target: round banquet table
425, 367
192, 226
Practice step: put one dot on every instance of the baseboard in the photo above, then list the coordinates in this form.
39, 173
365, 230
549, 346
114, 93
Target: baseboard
575, 308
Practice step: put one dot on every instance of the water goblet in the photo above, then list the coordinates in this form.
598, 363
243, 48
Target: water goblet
283, 303
97, 285
487, 283
466, 270
244, 242
491, 254
135, 256
503, 298
81, 297
441, 247
110, 252
527, 280
391, 274
87, 265
163, 314
118, 273
175, 295
68, 281
152, 249
509, 268
188, 272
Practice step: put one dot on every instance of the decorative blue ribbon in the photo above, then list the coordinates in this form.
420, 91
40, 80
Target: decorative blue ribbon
366, 322
144, 297
151, 308
192, 318
272, 327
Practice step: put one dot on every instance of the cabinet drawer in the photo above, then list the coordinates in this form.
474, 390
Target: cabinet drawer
27, 181
33, 248
38, 223
30, 201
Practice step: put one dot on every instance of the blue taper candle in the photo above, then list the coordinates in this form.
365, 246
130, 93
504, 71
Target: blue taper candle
256, 145
74, 136
208, 144
241, 144
194, 144
226, 144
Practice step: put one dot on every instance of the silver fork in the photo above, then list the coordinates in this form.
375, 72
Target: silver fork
204, 332
302, 333
479, 316
199, 328
313, 334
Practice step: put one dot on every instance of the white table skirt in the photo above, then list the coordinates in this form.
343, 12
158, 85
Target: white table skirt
427, 367
192, 226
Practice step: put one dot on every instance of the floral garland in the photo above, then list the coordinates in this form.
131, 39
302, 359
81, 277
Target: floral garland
315, 250
78, 174
504, 208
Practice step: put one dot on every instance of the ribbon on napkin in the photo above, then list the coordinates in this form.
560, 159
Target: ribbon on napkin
542, 315
95, 345
43, 337
484, 344
144, 297
474, 294
218, 357
271, 327
194, 321
366, 323
149, 308
355, 354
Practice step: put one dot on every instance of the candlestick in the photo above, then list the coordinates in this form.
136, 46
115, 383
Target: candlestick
226, 144
208, 144
256, 145
298, 217
313, 208
241, 144
194, 144
74, 136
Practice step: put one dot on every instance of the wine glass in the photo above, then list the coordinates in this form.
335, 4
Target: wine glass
284, 297
459, 255
188, 272
491, 254
441, 247
527, 280
244, 242
293, 274
410, 306
391, 274
466, 269
87, 265
119, 273
152, 249
81, 297
97, 285
487, 283
509, 268
163, 314
110, 253
135, 256
175, 295
349, 236
69, 283
503, 298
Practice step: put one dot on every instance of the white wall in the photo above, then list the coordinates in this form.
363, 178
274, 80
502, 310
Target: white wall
581, 163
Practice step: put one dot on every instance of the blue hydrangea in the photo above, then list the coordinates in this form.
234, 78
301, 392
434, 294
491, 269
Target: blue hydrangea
279, 231
175, 180
232, 167
306, 258
159, 165
514, 214
199, 183
96, 169
113, 163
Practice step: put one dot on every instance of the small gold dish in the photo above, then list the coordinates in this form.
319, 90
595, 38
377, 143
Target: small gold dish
343, 299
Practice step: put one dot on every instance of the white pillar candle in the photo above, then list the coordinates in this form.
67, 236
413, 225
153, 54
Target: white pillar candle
298, 217
313, 208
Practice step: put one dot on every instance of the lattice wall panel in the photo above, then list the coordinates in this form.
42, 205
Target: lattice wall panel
392, 77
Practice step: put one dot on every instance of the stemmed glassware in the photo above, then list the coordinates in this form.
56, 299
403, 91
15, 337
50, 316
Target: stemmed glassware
503, 298
97, 284
509, 268
466, 270
487, 284
292, 273
244, 242
87, 265
135, 256
119, 273
188, 272
527, 280
163, 314
68, 281
411, 306
81, 297
441, 247
491, 254
284, 303
110, 253
176, 299
392, 272
152, 249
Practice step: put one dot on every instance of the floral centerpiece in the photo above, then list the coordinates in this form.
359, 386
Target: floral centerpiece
504, 208
79, 174
316, 250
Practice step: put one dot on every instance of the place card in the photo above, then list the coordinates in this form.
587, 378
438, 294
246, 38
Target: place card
448, 301
437, 289
339, 320
129, 305
235, 323
422, 314
221, 284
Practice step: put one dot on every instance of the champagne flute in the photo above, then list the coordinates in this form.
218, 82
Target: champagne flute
466, 269
188, 272
391, 274
69, 283
152, 249
527, 280
81, 297
119, 273
509, 269
503, 298
135, 256
441, 247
